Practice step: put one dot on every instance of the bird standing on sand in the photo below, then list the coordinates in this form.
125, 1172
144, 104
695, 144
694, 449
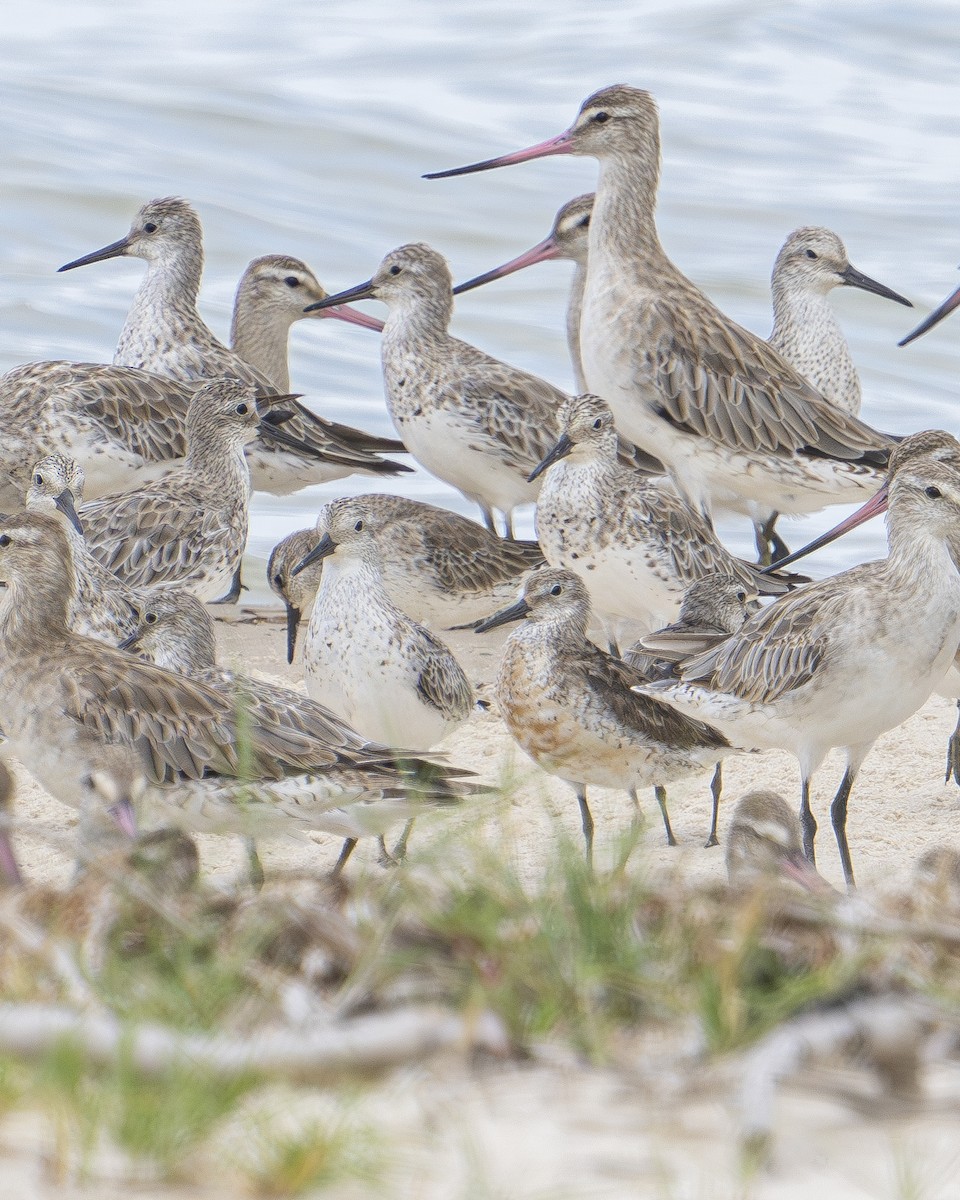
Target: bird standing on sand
569, 705
846, 658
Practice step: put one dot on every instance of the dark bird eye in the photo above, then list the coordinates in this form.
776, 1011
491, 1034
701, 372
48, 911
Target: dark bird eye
598, 423
600, 117
583, 223
742, 596
5, 539
278, 580
358, 526
292, 281
242, 410
150, 227
38, 479
933, 492
151, 618
394, 270
812, 254
556, 590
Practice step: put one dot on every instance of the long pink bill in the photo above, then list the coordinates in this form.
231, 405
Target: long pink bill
874, 506
542, 252
352, 316
935, 318
561, 144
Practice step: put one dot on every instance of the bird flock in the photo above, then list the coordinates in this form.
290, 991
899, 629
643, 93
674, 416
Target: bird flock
645, 652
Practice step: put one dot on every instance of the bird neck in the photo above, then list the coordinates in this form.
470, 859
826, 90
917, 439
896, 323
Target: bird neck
168, 291
623, 224
260, 335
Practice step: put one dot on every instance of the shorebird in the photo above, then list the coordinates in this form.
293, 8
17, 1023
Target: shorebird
764, 844
939, 446
732, 422
635, 543
569, 704
165, 334
103, 607
470, 419
270, 298
190, 527
846, 658
94, 724
364, 658
371, 788
568, 239
296, 590
806, 334
440, 568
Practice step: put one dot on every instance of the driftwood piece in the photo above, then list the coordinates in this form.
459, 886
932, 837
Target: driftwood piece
364, 1045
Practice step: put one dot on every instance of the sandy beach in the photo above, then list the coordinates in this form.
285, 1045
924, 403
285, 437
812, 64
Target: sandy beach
559, 1127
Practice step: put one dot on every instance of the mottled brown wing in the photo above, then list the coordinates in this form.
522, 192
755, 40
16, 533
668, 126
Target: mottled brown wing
442, 682
776, 652
722, 382
610, 679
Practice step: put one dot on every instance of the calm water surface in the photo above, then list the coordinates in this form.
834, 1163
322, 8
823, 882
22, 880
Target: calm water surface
303, 127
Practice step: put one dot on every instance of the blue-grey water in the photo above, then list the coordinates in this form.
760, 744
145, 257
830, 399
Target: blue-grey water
303, 127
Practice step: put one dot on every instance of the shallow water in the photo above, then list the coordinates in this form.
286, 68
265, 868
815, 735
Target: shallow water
303, 128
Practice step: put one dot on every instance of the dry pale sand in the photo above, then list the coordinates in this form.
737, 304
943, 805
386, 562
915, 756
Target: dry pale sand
561, 1128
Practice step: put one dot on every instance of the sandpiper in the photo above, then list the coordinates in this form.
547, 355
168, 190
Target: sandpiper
764, 844
94, 723
569, 705
730, 419
846, 658
470, 419
939, 446
364, 787
811, 263
712, 608
438, 567
636, 544
270, 298
165, 334
190, 527
103, 606
364, 658
296, 590
568, 239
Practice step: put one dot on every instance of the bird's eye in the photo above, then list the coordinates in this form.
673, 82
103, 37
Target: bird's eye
38, 479
278, 580
933, 492
292, 281
359, 526
812, 254
150, 227
598, 423
5, 539
584, 223
556, 590
150, 618
600, 117
394, 270
742, 597
242, 410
